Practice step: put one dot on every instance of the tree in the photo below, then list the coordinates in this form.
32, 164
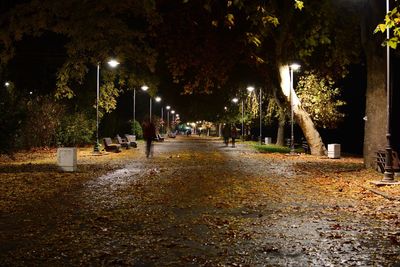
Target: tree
268, 36
320, 99
391, 22
94, 32
376, 118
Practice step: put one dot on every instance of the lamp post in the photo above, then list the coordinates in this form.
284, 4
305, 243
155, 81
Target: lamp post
145, 88
173, 115
292, 67
168, 108
235, 100
7, 84
251, 89
134, 111
112, 63
158, 100
388, 176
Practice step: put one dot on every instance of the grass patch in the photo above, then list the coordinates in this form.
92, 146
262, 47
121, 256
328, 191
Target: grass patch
273, 148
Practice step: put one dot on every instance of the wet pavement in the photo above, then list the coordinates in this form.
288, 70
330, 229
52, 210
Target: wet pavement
199, 203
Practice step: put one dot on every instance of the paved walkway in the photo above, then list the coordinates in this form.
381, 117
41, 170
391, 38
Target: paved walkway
197, 203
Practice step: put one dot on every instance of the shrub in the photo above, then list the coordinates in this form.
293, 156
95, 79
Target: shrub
43, 115
137, 129
75, 130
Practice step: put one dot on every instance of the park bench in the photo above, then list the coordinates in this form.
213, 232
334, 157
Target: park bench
131, 140
159, 138
380, 160
171, 135
122, 142
109, 146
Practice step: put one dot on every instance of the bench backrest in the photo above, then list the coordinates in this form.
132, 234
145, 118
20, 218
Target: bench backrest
130, 138
107, 141
119, 139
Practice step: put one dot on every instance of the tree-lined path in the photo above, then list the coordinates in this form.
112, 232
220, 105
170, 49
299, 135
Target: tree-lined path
199, 203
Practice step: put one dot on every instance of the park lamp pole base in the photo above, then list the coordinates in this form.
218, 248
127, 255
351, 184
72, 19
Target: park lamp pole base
96, 148
383, 182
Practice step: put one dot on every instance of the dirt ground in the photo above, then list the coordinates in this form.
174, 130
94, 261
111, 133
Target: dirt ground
195, 203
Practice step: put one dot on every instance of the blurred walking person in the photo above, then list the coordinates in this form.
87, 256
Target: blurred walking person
226, 133
233, 134
149, 133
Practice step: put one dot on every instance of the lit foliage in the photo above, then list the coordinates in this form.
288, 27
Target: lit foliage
319, 98
137, 129
94, 32
75, 129
392, 21
43, 117
12, 114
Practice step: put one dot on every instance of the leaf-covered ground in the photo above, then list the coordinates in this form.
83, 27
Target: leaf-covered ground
196, 203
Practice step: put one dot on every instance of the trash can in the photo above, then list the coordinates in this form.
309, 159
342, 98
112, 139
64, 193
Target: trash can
334, 151
67, 158
268, 140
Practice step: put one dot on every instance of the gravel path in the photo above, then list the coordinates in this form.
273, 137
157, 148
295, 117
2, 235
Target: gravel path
199, 203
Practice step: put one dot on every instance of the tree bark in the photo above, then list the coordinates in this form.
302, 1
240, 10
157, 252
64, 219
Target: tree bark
302, 118
280, 136
376, 120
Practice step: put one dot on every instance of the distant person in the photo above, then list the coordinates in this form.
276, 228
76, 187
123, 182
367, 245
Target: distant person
149, 133
233, 135
226, 133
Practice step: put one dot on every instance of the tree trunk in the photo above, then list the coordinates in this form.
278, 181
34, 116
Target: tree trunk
302, 118
375, 111
280, 136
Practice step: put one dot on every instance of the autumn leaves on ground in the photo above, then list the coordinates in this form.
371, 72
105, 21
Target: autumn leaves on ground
196, 203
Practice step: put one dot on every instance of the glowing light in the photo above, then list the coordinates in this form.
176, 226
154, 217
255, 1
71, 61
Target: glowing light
158, 99
113, 63
144, 87
295, 66
235, 100
250, 88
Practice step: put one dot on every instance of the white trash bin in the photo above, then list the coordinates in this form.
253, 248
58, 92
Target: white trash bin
334, 151
268, 140
67, 159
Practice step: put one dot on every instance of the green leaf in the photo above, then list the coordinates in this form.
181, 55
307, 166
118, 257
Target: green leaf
380, 28
392, 43
299, 4
230, 19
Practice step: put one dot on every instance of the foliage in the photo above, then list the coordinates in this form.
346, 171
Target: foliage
137, 129
90, 40
12, 115
271, 148
75, 130
272, 112
43, 116
320, 99
392, 21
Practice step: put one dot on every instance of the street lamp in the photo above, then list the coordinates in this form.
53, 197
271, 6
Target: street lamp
292, 67
388, 176
173, 115
144, 88
251, 89
235, 100
7, 84
168, 108
112, 63
158, 100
